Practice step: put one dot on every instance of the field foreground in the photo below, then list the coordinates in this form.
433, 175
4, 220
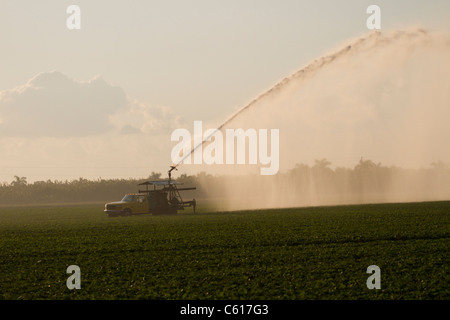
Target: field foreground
301, 253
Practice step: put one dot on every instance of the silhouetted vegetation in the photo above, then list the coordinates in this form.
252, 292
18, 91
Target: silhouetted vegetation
302, 185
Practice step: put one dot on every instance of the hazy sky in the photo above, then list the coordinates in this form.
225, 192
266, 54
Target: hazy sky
102, 101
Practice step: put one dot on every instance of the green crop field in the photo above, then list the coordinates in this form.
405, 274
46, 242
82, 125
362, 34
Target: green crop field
301, 253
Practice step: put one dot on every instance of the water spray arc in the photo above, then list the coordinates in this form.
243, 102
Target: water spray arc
309, 70
383, 97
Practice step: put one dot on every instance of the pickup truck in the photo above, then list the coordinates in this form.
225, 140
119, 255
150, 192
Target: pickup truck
158, 201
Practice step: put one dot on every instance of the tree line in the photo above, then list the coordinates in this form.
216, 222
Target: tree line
318, 184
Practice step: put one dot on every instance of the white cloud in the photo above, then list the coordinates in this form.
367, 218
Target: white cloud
139, 117
53, 105
54, 127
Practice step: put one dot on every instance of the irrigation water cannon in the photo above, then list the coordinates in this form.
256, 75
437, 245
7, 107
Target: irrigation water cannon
170, 172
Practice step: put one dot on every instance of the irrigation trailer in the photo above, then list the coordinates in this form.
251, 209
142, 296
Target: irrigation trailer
163, 198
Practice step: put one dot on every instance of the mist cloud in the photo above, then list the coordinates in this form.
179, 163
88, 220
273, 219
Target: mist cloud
384, 97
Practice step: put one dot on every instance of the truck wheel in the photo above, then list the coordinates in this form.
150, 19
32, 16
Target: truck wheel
127, 212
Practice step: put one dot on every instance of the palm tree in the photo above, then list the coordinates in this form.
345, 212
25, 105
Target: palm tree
322, 164
19, 181
439, 166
